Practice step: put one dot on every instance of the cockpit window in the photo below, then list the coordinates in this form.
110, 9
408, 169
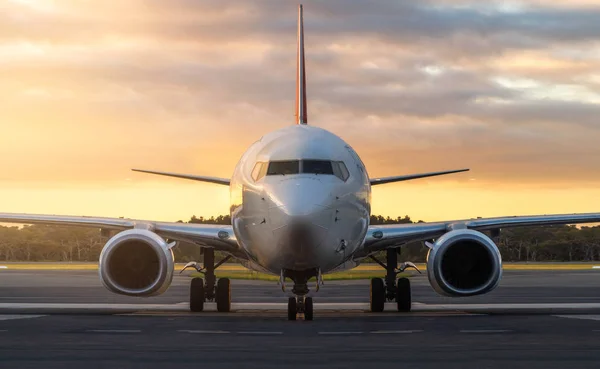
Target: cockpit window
340, 170
283, 167
259, 170
317, 166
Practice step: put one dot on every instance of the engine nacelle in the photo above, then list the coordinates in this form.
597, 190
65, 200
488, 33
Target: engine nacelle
464, 262
136, 262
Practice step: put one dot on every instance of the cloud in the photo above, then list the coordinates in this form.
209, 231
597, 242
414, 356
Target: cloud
436, 84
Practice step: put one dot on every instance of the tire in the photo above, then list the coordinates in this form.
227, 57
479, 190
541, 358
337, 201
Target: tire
292, 309
197, 295
403, 295
377, 295
308, 308
223, 296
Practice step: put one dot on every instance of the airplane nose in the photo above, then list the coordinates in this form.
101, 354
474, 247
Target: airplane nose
301, 197
301, 213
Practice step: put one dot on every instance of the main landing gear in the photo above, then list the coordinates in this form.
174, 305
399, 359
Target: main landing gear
388, 289
300, 304
209, 289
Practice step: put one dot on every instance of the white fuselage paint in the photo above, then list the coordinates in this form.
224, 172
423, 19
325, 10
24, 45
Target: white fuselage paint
334, 213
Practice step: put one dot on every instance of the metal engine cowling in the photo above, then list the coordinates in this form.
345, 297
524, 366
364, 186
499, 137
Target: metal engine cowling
136, 262
464, 262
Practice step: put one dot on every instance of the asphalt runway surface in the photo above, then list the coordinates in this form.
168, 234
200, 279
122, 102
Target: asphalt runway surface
449, 339
85, 287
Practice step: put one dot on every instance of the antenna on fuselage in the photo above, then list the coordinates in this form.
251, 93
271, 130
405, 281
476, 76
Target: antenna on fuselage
301, 117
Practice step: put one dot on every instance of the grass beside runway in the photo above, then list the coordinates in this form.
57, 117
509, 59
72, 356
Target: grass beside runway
236, 270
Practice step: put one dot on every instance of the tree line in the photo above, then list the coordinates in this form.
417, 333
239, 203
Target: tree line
75, 244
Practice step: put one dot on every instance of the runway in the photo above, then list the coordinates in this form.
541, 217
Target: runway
83, 286
342, 335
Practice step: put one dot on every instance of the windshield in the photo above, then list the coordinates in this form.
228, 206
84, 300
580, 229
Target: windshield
308, 166
283, 167
317, 167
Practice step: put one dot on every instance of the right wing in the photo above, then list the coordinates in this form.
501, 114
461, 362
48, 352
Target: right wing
219, 237
217, 180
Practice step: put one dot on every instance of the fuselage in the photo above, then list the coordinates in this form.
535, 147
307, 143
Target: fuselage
300, 200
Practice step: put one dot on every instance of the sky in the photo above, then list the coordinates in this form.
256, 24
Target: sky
90, 89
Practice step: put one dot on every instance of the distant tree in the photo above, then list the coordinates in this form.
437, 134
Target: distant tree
60, 243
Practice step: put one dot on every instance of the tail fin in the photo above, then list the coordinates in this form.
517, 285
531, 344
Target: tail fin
301, 117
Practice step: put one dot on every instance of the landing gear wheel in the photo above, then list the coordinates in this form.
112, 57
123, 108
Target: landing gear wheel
197, 294
292, 309
308, 308
403, 297
223, 295
377, 296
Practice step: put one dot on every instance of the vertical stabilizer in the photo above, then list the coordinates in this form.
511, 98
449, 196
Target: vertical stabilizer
301, 117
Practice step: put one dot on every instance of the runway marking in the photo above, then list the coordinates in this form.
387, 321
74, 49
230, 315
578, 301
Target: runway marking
3, 330
259, 332
3, 267
296, 347
362, 308
584, 317
339, 333
596, 267
114, 330
397, 332
12, 317
202, 332
485, 331
24, 297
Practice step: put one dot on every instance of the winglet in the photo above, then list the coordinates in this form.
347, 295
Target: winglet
301, 116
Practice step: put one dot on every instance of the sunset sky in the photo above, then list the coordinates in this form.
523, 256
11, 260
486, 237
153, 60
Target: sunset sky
90, 89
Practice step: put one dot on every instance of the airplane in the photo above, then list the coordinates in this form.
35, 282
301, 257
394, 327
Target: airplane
300, 207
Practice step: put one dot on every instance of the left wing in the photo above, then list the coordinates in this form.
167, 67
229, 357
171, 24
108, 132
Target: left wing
219, 237
381, 237
408, 177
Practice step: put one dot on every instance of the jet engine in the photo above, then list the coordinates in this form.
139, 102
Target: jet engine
136, 262
464, 262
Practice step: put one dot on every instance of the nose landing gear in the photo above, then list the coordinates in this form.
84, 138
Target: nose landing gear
300, 304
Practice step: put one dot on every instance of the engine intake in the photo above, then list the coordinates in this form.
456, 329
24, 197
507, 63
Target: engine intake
464, 262
136, 262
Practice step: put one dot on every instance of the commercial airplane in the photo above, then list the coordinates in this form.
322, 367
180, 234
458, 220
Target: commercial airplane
300, 206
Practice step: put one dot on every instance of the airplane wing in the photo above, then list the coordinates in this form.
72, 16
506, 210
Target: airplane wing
219, 237
380, 237
217, 180
408, 177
